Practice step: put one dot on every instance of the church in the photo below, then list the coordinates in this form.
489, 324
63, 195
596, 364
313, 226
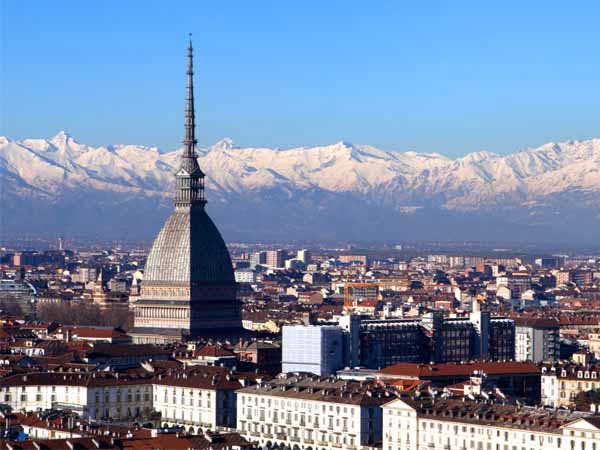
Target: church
189, 289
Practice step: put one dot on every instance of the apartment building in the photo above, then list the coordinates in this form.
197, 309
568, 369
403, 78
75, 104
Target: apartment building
537, 340
310, 413
561, 383
275, 259
450, 424
98, 395
376, 344
202, 398
245, 276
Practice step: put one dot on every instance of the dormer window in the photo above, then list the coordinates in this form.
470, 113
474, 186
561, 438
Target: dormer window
594, 374
579, 374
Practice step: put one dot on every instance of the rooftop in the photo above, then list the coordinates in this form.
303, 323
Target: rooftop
416, 370
312, 387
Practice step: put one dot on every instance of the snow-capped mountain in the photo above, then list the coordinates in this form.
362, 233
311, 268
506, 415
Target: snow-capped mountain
339, 190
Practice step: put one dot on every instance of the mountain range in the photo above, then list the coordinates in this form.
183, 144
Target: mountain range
334, 192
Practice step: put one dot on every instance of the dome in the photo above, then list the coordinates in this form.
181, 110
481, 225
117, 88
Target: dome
188, 288
189, 251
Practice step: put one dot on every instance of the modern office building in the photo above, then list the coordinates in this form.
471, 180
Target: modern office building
548, 263
537, 340
582, 277
257, 259
304, 255
375, 344
275, 259
387, 342
245, 276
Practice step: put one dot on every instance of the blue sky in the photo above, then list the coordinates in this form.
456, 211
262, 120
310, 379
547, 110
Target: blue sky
451, 77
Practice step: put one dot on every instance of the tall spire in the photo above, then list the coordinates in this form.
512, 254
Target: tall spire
189, 181
190, 117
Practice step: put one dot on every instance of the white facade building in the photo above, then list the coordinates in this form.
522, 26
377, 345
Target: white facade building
95, 396
311, 413
313, 349
245, 276
462, 425
537, 340
203, 399
304, 255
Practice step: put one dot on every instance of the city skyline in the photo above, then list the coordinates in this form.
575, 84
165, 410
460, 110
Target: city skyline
343, 296
499, 79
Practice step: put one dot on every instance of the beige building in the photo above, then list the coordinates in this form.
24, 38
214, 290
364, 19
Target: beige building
594, 343
449, 424
200, 399
560, 384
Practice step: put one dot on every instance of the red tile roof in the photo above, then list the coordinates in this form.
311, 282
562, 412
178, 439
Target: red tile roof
428, 371
214, 351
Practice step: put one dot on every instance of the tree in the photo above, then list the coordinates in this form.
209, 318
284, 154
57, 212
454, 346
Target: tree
11, 307
86, 314
585, 399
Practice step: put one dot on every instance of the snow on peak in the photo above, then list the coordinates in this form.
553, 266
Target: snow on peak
344, 145
61, 137
65, 142
224, 144
478, 178
479, 156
